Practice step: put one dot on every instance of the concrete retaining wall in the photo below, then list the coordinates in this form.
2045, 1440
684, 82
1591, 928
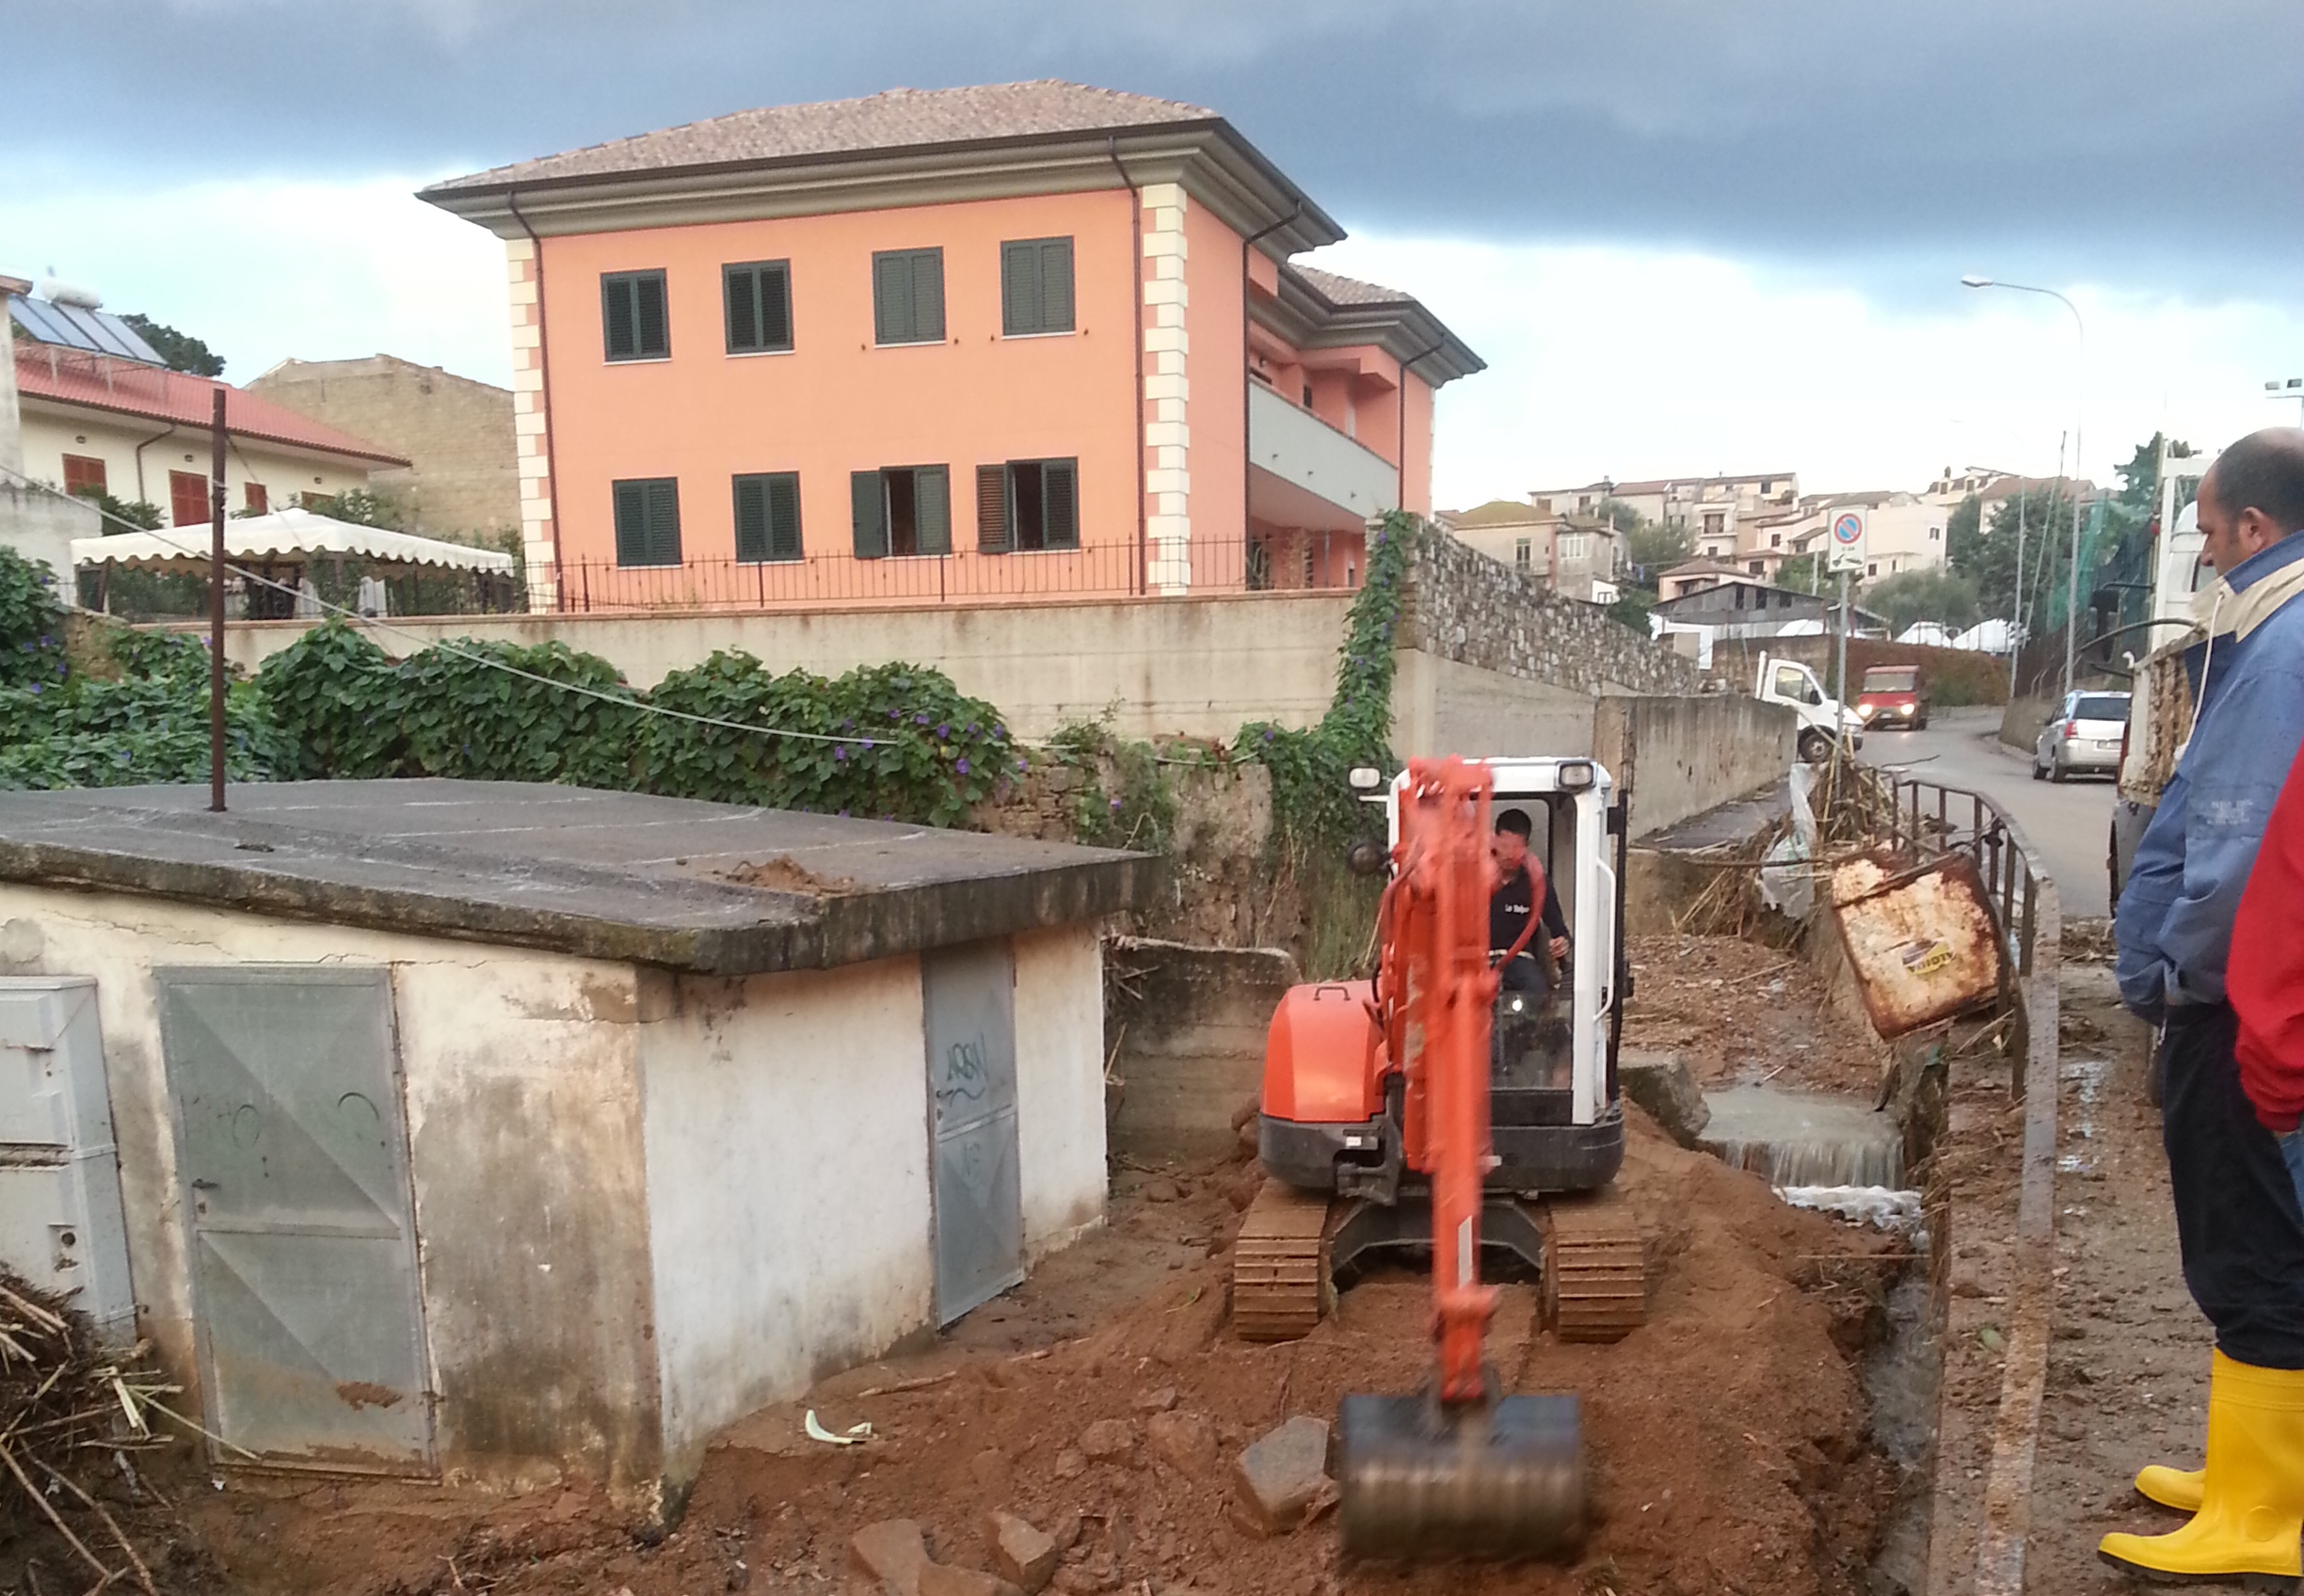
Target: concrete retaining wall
1683, 756
1188, 1027
1197, 667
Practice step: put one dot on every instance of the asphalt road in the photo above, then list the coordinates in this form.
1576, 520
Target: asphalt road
2069, 824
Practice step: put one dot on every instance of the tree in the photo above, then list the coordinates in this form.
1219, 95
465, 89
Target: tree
1801, 574
1650, 546
1961, 530
360, 507
1909, 597
181, 350
1631, 608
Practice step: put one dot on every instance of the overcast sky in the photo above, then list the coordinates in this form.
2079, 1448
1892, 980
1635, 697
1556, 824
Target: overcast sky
1688, 235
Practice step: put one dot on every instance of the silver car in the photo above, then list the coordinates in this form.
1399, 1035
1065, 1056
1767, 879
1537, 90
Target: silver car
2084, 735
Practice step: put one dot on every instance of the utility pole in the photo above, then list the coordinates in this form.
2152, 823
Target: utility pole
2071, 578
1840, 692
215, 606
2024, 497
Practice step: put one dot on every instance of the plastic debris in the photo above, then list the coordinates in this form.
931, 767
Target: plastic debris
816, 1431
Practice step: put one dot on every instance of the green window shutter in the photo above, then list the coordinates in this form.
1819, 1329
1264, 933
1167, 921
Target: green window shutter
632, 523
893, 318
868, 514
649, 318
932, 501
617, 318
928, 296
758, 297
740, 287
784, 516
1060, 502
1019, 289
992, 509
776, 306
1055, 272
751, 519
664, 544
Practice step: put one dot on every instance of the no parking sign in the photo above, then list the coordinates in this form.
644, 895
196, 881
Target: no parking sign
1847, 541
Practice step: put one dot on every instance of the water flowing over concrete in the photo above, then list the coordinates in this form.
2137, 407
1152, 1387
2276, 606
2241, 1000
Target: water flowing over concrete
1804, 1139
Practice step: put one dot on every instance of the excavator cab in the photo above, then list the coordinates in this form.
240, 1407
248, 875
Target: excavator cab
1332, 1126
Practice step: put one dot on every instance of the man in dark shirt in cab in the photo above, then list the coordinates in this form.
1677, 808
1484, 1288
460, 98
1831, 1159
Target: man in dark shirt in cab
1513, 900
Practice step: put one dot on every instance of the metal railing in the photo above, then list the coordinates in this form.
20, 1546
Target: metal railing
1923, 820
1258, 562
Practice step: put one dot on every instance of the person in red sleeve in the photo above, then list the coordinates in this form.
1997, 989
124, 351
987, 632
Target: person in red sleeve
2264, 981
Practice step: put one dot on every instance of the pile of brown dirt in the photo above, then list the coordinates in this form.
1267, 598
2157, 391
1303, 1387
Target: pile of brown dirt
783, 874
1727, 1437
1743, 1015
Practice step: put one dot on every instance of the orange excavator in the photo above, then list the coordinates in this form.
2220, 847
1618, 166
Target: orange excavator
1377, 1131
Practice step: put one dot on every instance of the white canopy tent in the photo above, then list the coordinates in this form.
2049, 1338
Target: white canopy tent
283, 537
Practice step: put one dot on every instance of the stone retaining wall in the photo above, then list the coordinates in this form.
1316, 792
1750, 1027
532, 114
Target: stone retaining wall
1461, 605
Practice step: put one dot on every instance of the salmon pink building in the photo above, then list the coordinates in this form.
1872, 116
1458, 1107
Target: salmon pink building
1005, 341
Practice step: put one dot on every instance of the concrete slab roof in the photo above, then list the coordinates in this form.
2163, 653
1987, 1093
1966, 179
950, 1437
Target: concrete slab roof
620, 876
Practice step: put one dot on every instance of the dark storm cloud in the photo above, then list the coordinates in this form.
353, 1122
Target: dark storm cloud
2147, 143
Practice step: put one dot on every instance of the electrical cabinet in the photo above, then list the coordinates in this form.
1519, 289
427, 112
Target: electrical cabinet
61, 1224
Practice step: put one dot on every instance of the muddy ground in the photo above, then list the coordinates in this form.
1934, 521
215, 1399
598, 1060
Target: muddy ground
1728, 1438
1743, 1013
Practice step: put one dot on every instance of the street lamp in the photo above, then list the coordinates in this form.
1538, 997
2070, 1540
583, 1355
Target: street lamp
2071, 593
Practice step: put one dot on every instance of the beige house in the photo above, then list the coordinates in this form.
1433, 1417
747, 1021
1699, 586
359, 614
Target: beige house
93, 420
462, 478
1577, 554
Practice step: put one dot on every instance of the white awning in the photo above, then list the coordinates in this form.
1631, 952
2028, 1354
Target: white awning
282, 538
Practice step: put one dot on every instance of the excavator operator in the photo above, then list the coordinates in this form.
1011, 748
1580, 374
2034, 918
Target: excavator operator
1513, 900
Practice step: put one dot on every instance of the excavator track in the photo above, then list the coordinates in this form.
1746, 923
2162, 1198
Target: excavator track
1597, 1282
1280, 1265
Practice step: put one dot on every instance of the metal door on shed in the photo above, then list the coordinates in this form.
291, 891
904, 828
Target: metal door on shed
293, 1159
968, 1000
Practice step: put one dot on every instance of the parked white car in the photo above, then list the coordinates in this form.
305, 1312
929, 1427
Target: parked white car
2083, 736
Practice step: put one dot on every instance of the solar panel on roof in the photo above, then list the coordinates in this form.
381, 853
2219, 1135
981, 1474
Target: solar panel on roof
97, 331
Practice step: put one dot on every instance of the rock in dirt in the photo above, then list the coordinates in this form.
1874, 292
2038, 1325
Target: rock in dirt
1157, 1401
1065, 1531
1185, 1442
1280, 1476
1023, 1557
939, 1580
1662, 1083
1070, 1464
893, 1552
1109, 1441
1160, 1189
990, 1470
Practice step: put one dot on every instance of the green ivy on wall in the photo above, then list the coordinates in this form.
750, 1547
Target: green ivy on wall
887, 741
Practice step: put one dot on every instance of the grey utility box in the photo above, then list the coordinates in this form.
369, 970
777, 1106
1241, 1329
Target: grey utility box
62, 1225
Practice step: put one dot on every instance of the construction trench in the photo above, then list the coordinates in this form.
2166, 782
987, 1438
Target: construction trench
1837, 1387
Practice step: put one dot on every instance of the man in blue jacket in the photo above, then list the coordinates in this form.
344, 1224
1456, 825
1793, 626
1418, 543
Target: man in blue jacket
2238, 1216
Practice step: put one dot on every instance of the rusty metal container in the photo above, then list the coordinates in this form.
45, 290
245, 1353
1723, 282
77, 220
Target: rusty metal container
1921, 942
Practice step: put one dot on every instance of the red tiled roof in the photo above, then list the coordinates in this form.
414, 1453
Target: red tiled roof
1340, 290
128, 388
901, 119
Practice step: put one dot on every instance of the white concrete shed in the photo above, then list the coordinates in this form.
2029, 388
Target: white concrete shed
511, 1134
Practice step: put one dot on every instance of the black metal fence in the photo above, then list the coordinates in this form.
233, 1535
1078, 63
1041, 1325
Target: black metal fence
1261, 562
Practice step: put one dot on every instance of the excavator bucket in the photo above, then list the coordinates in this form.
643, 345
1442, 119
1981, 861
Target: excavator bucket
1497, 1480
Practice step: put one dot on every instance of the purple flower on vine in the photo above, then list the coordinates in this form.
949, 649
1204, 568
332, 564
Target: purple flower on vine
961, 765
1115, 803
840, 753
944, 729
920, 719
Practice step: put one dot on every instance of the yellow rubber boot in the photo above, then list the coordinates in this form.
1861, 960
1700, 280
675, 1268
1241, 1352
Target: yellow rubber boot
2251, 1513
2179, 1489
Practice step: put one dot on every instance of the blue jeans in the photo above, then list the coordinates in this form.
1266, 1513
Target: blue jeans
2292, 1153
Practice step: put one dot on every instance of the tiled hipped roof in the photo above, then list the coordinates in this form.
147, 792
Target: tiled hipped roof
129, 388
901, 119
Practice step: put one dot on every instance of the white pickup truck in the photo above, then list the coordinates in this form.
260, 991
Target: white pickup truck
1821, 719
